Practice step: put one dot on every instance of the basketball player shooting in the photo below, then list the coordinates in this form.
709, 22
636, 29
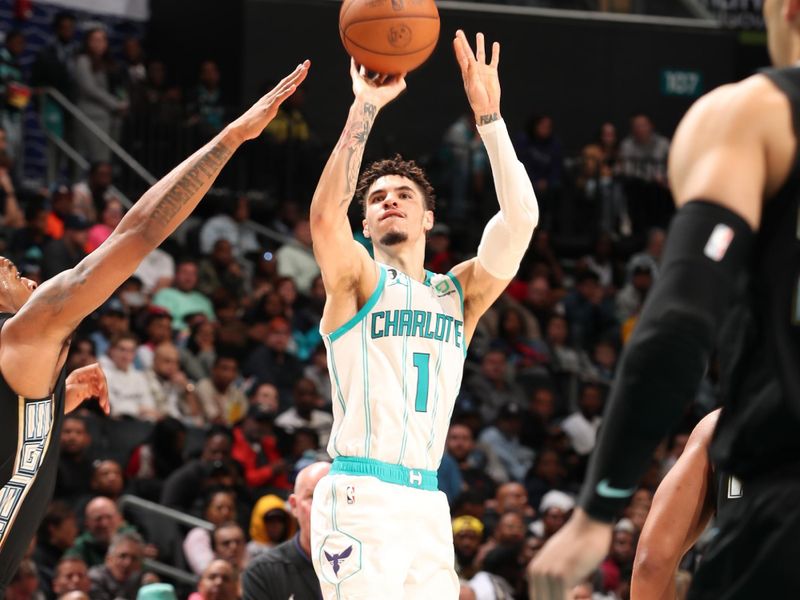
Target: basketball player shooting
36, 325
397, 337
729, 280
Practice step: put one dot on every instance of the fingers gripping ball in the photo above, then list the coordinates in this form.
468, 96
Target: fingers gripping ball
389, 36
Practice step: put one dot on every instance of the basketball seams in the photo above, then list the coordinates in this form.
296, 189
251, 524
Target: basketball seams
350, 41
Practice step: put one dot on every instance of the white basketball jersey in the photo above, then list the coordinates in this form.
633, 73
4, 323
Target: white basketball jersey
396, 369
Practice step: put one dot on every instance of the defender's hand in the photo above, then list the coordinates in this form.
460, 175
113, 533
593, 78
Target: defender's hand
481, 81
378, 90
252, 123
85, 383
569, 556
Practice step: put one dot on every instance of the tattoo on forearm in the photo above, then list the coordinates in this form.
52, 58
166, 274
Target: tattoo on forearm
207, 167
353, 141
486, 119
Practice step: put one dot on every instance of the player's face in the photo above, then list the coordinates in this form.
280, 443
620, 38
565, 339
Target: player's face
14, 289
395, 212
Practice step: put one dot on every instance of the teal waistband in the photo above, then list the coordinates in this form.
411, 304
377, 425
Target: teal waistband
398, 474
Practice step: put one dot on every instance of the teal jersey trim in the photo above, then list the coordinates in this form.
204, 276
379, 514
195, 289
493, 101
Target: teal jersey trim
457, 283
428, 276
370, 304
420, 479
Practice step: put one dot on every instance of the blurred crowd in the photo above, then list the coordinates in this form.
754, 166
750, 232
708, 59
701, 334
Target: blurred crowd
218, 379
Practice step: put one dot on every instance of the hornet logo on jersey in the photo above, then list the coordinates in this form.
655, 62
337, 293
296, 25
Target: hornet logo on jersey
336, 560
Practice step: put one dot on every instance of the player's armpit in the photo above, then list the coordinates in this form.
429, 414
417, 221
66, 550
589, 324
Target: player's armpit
678, 516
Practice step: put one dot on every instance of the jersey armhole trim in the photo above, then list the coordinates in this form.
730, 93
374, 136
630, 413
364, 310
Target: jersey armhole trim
368, 306
457, 283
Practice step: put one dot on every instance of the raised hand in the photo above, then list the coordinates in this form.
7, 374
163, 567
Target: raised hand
252, 123
481, 81
85, 383
378, 90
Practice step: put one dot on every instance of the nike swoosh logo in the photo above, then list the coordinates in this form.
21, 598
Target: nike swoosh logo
607, 491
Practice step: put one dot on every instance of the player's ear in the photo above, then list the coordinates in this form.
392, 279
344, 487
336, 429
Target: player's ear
427, 220
365, 228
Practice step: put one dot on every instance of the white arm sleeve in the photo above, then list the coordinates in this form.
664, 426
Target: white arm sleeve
508, 234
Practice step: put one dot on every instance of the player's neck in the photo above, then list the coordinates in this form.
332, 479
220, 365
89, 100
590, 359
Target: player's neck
406, 260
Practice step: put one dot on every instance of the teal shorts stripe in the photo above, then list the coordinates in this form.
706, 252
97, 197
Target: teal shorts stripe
420, 479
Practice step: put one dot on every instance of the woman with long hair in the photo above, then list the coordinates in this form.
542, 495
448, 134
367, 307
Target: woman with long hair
94, 74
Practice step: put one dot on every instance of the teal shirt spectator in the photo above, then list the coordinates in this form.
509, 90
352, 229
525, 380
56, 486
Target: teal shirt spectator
181, 304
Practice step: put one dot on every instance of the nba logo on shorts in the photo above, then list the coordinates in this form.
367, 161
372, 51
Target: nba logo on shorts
350, 493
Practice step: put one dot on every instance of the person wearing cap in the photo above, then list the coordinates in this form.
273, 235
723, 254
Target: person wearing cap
67, 252
38, 322
113, 319
467, 538
286, 570
554, 510
255, 448
503, 438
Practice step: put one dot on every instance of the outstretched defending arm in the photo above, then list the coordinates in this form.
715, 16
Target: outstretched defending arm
56, 308
508, 234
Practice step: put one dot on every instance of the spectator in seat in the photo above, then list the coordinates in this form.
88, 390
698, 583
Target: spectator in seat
183, 485
231, 227
172, 391
205, 103
306, 413
112, 214
161, 455
120, 576
90, 196
156, 271
75, 462
255, 448
157, 330
56, 535
71, 575
271, 362
63, 254
270, 524
266, 397
478, 464
503, 438
229, 543
199, 354
467, 538
619, 562
492, 388
295, 259
220, 399
114, 319
219, 507
107, 479
581, 426
221, 270
183, 299
218, 582
102, 521
128, 389
24, 585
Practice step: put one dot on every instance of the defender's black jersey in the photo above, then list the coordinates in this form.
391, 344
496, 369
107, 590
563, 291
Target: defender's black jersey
29, 449
759, 345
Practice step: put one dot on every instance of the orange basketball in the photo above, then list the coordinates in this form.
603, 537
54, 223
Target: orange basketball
389, 36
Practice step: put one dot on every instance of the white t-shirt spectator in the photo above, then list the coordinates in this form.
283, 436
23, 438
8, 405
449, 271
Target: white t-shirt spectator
225, 227
156, 266
582, 432
299, 264
128, 391
320, 421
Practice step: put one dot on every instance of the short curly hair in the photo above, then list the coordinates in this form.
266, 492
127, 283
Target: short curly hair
395, 166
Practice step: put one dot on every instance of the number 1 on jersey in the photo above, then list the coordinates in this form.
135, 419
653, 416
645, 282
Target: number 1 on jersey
422, 363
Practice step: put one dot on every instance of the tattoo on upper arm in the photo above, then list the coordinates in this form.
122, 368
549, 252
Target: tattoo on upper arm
56, 295
354, 140
486, 119
207, 167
